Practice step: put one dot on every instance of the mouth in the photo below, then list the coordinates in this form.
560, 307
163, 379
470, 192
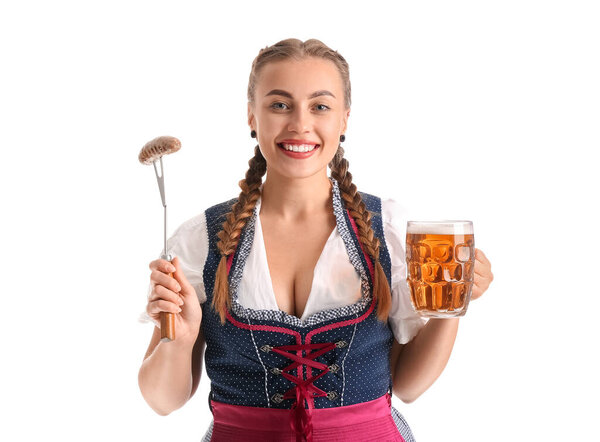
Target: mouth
300, 148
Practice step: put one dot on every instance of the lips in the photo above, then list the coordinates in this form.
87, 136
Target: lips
298, 144
292, 141
299, 154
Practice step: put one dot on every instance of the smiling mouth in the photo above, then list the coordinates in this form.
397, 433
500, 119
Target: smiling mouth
298, 148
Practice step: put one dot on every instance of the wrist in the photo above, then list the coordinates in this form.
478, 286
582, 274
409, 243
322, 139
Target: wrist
182, 342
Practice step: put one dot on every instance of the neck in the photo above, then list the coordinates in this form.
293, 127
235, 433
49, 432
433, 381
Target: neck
296, 199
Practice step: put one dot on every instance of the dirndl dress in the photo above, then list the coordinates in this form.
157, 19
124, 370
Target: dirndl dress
277, 378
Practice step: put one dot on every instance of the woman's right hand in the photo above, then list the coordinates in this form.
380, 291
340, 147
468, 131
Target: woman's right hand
175, 295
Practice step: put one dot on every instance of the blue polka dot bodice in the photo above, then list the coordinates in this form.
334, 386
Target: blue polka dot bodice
269, 358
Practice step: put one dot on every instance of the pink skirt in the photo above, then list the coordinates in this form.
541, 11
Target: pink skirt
367, 421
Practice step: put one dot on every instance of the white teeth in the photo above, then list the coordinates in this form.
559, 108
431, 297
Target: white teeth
299, 147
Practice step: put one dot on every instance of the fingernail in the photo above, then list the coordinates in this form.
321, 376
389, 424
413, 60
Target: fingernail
178, 288
171, 269
181, 302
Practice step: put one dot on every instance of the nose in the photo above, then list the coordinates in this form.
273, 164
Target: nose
300, 120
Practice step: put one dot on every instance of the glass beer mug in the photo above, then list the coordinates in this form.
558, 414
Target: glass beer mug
440, 258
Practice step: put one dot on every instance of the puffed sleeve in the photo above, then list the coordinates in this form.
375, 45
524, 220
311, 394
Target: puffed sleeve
190, 243
404, 321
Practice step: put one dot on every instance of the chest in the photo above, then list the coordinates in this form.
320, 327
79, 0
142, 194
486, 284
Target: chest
292, 253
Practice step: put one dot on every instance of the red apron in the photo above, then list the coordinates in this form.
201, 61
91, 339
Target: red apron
367, 421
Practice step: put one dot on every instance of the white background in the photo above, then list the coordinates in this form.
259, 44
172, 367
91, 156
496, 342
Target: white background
467, 109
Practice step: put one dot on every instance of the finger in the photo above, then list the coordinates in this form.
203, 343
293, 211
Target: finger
484, 273
481, 283
477, 279
180, 276
159, 278
161, 292
161, 305
162, 265
480, 256
482, 269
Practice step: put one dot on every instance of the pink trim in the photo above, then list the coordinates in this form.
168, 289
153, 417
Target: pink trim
369, 263
269, 328
342, 323
370, 420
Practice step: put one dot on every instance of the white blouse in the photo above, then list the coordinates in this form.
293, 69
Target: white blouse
335, 281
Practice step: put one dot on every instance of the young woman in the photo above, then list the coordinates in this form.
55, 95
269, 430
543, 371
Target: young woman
297, 287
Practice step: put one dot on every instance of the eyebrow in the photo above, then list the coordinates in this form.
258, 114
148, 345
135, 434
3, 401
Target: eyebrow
288, 95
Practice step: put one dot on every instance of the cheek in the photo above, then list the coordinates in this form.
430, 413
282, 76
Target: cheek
333, 135
270, 126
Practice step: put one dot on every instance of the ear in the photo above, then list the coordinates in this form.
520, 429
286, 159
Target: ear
250, 115
345, 120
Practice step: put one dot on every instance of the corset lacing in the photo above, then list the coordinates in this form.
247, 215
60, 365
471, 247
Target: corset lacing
301, 418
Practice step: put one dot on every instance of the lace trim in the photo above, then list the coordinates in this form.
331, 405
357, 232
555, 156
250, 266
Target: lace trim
244, 247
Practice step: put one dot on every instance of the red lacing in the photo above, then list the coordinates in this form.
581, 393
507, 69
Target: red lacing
301, 419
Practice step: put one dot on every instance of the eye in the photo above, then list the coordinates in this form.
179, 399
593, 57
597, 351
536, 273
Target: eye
325, 106
274, 105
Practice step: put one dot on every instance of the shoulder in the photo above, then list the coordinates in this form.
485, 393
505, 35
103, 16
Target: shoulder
389, 209
394, 216
190, 244
215, 214
393, 211
372, 202
190, 240
222, 206
381, 202
203, 221
191, 226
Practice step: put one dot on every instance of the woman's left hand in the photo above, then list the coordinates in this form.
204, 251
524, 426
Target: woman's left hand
483, 274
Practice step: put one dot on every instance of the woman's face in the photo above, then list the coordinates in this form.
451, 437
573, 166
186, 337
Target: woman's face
301, 102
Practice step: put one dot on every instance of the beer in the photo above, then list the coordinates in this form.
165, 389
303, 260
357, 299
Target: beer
440, 257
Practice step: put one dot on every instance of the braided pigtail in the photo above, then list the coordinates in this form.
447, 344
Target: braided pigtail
362, 217
232, 227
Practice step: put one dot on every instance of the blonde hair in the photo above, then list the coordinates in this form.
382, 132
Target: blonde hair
243, 209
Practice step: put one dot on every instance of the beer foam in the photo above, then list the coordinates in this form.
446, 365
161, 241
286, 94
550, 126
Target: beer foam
444, 227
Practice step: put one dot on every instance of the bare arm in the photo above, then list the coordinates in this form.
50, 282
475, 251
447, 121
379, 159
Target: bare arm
170, 372
197, 358
165, 377
417, 364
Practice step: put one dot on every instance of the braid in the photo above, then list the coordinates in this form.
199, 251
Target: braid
362, 217
232, 227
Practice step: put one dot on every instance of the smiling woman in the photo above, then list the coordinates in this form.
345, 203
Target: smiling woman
289, 107
296, 287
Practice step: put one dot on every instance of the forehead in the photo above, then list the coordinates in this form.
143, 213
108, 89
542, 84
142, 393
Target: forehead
300, 77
